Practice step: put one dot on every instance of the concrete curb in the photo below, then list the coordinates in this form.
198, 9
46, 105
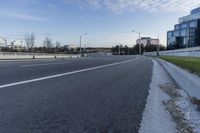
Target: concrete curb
156, 119
184, 79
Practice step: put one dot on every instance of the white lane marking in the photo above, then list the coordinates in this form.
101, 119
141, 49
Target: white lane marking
45, 64
64, 74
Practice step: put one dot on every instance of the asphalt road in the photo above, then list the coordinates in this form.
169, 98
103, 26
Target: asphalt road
94, 98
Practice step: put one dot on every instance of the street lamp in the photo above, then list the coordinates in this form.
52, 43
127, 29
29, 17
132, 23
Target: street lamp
81, 40
158, 46
5, 41
118, 48
140, 52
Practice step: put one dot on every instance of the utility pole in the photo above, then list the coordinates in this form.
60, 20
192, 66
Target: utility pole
158, 46
80, 45
140, 49
119, 50
81, 42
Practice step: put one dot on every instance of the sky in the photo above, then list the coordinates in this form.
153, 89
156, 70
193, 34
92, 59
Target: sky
107, 22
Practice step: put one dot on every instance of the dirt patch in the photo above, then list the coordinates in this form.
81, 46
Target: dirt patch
171, 90
179, 107
179, 117
195, 101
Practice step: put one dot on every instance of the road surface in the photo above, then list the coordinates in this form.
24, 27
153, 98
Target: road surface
105, 94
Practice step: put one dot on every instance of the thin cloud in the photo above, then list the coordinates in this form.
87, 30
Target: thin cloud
118, 6
22, 16
28, 17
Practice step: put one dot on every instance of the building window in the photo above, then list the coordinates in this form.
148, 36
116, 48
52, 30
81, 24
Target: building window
192, 32
193, 24
176, 33
184, 26
184, 41
169, 34
183, 32
176, 27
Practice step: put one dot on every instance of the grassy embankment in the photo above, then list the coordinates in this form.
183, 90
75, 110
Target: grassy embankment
190, 63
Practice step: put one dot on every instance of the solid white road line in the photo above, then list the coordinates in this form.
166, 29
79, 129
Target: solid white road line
64, 74
45, 64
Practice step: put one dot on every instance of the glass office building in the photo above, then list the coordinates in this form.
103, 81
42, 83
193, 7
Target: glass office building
186, 33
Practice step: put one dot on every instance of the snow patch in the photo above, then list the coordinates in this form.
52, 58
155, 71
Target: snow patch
186, 114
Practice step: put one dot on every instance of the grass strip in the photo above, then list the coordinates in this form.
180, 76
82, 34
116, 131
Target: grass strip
190, 63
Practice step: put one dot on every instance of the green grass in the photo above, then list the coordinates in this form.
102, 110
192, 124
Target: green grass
190, 63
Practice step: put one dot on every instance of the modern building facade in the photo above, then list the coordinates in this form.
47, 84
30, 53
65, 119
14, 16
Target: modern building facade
18, 45
145, 41
71, 47
186, 33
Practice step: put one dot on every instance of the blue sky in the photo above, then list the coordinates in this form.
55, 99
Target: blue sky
107, 22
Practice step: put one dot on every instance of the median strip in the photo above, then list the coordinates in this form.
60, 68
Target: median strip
64, 74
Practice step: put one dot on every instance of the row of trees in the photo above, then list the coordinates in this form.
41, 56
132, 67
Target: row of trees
62, 50
125, 50
48, 46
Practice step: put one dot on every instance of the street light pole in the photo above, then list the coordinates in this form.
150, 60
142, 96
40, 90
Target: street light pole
140, 43
140, 49
81, 42
80, 45
119, 52
158, 46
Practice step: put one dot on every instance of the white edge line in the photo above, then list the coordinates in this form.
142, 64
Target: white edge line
63, 74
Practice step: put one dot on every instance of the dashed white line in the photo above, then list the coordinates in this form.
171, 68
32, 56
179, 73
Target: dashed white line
64, 74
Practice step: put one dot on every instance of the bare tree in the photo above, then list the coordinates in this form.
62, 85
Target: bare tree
30, 41
48, 44
58, 44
